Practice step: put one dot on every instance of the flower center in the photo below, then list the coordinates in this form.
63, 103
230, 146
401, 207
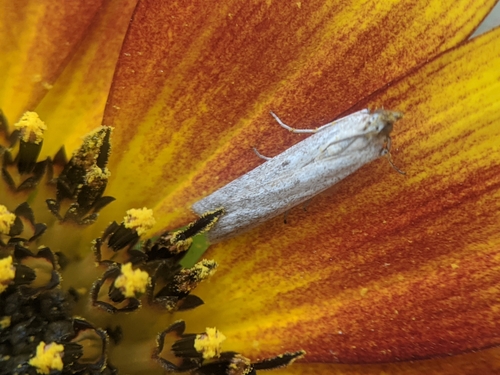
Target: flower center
48, 273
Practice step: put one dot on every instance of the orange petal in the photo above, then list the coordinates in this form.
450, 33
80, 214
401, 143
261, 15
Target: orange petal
384, 267
75, 105
484, 362
195, 83
36, 40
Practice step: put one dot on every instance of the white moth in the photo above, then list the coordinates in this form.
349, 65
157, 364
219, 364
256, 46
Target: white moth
333, 152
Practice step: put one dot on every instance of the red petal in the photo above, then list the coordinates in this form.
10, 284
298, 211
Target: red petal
385, 267
195, 82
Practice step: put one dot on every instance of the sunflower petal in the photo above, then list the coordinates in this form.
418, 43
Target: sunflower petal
75, 104
384, 267
201, 79
483, 362
36, 40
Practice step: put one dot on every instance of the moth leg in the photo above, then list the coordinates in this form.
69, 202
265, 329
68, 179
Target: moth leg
299, 131
389, 157
285, 216
387, 152
306, 204
260, 155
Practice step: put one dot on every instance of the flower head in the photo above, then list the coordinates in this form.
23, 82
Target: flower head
382, 268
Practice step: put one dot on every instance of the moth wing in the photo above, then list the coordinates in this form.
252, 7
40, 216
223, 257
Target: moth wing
303, 153
265, 200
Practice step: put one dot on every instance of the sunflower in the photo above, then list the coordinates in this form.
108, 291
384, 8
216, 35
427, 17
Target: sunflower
119, 116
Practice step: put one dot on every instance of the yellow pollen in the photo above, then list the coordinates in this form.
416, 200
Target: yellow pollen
140, 219
86, 156
205, 268
214, 220
180, 245
31, 127
131, 282
94, 138
7, 219
47, 86
209, 343
5, 322
97, 174
47, 358
7, 272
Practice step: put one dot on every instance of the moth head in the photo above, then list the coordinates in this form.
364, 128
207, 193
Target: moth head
383, 121
383, 124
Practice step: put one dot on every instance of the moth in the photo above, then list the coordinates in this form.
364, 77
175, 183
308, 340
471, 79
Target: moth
330, 154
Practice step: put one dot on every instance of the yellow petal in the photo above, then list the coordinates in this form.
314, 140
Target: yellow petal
195, 83
36, 40
385, 267
75, 104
